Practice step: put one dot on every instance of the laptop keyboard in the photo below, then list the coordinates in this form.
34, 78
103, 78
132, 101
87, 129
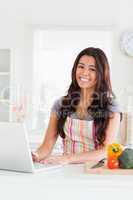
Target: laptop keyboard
45, 166
38, 165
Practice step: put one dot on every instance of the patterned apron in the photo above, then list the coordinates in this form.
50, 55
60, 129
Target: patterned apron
80, 136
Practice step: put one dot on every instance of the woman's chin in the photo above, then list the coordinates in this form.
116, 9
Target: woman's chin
84, 86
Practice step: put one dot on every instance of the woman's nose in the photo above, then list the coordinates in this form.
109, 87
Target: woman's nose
86, 71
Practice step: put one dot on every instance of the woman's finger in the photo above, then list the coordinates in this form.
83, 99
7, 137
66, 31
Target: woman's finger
35, 156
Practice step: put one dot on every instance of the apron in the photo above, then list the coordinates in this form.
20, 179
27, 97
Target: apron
80, 136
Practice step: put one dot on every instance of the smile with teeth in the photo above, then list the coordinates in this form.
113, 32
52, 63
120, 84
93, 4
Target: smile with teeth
84, 79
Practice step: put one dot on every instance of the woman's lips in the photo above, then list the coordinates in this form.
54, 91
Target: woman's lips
83, 79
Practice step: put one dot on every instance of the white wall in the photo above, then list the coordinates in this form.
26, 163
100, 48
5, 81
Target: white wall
16, 35
17, 19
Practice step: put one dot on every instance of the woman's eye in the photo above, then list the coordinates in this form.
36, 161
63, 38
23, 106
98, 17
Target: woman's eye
92, 69
89, 68
80, 66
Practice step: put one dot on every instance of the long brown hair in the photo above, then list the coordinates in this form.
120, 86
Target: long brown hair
102, 96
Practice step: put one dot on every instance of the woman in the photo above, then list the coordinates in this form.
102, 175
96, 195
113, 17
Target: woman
87, 118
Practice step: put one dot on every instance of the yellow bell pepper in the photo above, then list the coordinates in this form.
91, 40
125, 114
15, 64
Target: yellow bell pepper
114, 150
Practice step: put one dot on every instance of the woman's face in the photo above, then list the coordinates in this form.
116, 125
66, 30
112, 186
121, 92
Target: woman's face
86, 72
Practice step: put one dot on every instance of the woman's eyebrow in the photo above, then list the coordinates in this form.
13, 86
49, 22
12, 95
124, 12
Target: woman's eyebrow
87, 65
81, 63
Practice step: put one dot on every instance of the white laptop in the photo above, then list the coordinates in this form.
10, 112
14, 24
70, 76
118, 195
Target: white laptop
15, 152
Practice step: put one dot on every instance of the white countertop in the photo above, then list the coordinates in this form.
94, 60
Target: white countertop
67, 182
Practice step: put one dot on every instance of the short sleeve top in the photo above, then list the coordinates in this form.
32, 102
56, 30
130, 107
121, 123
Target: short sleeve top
57, 105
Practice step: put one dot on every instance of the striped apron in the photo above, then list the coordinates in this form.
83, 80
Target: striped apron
80, 136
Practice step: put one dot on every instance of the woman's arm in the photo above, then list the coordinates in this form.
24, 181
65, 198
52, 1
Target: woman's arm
94, 155
49, 140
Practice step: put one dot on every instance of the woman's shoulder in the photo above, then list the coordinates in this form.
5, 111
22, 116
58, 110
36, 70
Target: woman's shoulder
58, 101
57, 105
114, 105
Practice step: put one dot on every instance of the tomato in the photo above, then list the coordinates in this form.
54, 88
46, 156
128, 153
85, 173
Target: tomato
112, 163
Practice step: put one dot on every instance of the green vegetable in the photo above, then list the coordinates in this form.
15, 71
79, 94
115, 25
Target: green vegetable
126, 159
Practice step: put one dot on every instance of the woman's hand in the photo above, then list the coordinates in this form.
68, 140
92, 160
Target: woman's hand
35, 156
61, 159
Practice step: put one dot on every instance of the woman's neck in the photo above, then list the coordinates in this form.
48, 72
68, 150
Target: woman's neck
85, 102
86, 97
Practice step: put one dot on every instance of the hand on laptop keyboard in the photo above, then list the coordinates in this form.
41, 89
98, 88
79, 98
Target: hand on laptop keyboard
35, 156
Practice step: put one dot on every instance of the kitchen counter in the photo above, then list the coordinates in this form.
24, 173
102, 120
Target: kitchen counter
67, 182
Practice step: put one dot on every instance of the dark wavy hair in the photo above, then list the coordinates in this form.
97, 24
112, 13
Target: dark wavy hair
101, 98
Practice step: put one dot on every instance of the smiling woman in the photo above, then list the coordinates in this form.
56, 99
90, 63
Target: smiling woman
86, 134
